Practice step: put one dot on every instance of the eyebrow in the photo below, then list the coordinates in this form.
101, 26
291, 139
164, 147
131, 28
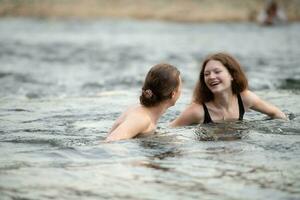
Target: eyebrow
214, 68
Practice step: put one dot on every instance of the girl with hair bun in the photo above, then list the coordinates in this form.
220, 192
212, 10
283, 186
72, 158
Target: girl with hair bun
222, 94
161, 89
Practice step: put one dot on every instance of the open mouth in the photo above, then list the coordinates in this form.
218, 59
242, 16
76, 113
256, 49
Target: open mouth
215, 83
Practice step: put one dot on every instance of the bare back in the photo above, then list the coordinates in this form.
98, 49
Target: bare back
134, 121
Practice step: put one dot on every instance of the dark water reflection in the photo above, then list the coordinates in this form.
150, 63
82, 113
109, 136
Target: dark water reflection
63, 83
222, 131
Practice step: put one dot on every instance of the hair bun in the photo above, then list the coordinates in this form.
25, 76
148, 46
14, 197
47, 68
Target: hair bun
148, 93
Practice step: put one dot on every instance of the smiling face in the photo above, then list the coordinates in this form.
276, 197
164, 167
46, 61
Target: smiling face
222, 71
216, 77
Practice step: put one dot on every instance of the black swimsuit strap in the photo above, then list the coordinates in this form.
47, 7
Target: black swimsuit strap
207, 118
241, 107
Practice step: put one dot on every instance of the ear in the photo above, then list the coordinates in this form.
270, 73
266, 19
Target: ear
173, 94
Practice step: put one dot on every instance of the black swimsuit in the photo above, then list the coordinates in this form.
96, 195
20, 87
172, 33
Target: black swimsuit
207, 118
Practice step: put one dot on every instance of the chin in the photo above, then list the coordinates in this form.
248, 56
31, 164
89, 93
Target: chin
215, 90
218, 90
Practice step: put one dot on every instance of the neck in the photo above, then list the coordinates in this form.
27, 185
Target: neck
157, 111
223, 100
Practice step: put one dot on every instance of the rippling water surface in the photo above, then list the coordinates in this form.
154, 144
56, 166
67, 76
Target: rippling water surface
63, 83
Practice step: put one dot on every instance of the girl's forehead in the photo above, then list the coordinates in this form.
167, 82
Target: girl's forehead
213, 64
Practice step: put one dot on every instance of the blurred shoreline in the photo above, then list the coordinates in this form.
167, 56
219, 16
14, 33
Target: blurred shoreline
168, 10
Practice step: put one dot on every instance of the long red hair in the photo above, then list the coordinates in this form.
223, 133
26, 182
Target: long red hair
201, 92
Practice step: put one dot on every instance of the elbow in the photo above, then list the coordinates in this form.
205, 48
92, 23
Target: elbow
116, 136
111, 138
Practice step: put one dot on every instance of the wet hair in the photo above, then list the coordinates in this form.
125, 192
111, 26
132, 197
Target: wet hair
239, 83
160, 82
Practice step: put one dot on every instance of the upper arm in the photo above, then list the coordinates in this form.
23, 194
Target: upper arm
191, 115
116, 124
256, 103
131, 126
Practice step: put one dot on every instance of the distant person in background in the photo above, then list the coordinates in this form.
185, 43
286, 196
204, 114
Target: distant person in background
222, 94
271, 14
162, 88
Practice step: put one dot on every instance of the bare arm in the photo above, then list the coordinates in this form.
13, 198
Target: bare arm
192, 114
256, 103
116, 124
129, 128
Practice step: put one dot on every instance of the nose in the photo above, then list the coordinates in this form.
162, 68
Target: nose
211, 76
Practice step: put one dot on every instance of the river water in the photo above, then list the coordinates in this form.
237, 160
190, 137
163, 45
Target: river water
64, 82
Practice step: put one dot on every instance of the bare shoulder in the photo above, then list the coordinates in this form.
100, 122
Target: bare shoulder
249, 98
247, 93
124, 115
138, 113
133, 114
135, 120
